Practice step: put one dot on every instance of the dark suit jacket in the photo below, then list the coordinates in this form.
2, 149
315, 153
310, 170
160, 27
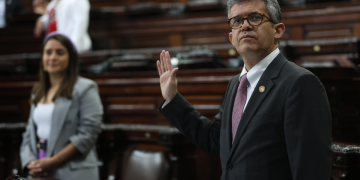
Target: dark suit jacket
284, 133
13, 8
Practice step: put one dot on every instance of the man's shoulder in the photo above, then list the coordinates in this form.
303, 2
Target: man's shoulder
234, 79
292, 70
294, 75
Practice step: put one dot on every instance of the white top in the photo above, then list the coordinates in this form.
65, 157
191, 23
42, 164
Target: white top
256, 72
72, 19
42, 118
2, 13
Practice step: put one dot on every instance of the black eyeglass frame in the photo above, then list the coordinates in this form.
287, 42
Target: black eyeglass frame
247, 19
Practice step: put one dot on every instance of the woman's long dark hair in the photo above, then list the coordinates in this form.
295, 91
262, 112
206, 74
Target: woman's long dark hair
72, 72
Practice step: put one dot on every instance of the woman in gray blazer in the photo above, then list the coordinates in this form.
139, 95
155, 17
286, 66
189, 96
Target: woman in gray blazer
65, 117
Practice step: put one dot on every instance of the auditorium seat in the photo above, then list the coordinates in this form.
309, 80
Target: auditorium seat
145, 162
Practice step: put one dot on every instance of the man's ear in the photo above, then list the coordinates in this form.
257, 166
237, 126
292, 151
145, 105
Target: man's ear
279, 30
230, 38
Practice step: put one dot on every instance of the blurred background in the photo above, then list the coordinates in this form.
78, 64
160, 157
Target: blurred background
127, 37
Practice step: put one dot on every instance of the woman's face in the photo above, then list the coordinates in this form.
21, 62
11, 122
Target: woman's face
55, 58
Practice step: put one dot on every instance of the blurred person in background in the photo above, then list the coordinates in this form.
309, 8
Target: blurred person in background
9, 9
65, 117
39, 6
70, 17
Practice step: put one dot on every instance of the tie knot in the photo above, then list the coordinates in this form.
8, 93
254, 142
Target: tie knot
244, 81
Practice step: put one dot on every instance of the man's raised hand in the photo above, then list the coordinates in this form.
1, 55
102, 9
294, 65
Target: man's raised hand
167, 73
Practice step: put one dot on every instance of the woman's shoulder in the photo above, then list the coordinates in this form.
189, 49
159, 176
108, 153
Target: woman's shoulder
82, 84
84, 81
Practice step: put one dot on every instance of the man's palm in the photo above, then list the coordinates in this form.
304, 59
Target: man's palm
168, 82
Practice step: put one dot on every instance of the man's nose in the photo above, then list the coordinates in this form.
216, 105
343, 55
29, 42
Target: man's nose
246, 26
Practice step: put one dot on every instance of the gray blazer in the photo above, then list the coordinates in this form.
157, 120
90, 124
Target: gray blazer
76, 120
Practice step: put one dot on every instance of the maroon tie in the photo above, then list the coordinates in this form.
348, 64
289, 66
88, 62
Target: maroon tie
239, 104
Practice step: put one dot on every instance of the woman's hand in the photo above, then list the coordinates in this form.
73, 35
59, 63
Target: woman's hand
42, 166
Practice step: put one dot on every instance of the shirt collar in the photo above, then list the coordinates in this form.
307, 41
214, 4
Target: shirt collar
256, 72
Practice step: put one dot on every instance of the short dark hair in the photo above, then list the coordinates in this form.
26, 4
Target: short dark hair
72, 72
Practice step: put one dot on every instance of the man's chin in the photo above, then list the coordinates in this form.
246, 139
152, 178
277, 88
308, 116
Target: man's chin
248, 50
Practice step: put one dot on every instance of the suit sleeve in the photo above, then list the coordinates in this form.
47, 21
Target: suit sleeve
307, 128
198, 129
89, 127
26, 154
201, 131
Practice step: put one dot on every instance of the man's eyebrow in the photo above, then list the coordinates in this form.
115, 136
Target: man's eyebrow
247, 14
253, 12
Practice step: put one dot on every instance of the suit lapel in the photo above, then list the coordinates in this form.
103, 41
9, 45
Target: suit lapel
33, 130
60, 112
271, 72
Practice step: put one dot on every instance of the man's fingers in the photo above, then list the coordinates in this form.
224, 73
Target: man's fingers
162, 62
158, 67
168, 61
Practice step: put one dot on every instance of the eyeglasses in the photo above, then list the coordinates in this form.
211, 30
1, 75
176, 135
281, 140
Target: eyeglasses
254, 19
15, 177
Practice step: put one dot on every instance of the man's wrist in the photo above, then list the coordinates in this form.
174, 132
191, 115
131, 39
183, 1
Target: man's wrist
172, 97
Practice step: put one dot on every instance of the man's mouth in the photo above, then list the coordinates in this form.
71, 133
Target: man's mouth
246, 36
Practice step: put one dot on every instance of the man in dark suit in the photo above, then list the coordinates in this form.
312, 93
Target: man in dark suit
275, 120
12, 8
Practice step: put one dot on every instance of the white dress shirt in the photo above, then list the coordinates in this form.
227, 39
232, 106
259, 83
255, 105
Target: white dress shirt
42, 118
2, 13
72, 19
256, 72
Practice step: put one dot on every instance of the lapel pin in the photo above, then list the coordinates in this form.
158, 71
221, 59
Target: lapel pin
262, 89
